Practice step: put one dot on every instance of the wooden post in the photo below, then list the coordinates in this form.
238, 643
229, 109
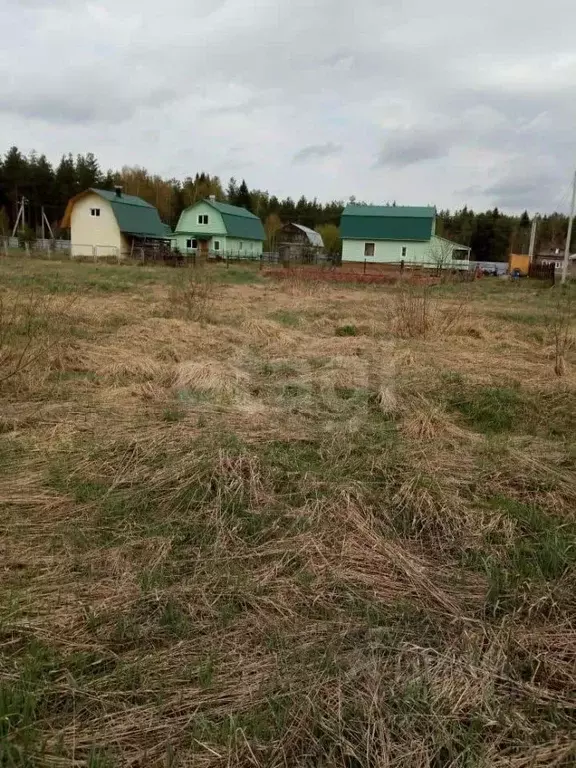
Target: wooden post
364, 266
227, 260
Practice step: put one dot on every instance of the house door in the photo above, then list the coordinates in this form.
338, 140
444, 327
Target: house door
203, 248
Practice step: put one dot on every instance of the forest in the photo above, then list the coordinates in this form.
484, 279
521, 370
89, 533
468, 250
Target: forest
491, 234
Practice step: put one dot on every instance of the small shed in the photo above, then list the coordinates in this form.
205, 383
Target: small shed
299, 243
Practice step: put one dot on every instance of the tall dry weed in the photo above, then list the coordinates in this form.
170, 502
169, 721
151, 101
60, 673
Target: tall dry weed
31, 325
193, 295
561, 328
419, 312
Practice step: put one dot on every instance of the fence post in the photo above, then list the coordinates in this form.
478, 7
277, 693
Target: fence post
364, 266
227, 260
260, 265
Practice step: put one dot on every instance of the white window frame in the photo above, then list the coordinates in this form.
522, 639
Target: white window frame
95, 212
404, 251
369, 255
193, 243
216, 245
202, 218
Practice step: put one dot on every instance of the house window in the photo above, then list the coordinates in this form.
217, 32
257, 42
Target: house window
403, 251
369, 249
94, 211
241, 246
191, 243
216, 245
203, 218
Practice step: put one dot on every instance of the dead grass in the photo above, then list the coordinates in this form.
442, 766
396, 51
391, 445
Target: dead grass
244, 540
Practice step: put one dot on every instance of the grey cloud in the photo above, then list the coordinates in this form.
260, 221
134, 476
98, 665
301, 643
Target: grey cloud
317, 152
525, 189
295, 83
404, 148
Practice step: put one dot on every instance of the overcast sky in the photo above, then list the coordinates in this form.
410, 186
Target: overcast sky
444, 102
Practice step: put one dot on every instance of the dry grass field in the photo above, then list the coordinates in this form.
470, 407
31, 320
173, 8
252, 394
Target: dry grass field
248, 523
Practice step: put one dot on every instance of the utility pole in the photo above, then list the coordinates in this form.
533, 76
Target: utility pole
569, 235
533, 238
42, 219
21, 216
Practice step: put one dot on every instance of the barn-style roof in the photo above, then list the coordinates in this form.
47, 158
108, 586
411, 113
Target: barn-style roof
239, 222
134, 215
314, 238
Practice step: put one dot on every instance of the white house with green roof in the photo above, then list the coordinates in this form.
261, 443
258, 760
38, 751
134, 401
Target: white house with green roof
210, 227
391, 234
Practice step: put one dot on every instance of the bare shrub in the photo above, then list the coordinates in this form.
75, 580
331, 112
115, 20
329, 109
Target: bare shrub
193, 296
419, 312
31, 325
413, 311
561, 329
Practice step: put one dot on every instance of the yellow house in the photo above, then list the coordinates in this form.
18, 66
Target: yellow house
104, 223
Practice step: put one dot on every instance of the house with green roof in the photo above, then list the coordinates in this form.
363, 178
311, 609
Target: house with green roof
110, 223
391, 234
212, 228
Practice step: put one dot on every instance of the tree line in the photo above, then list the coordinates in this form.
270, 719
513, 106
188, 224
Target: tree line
490, 234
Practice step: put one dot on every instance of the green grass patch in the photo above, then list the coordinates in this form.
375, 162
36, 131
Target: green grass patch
347, 330
286, 317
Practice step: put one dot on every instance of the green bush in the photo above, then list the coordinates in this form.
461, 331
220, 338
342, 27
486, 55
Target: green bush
347, 330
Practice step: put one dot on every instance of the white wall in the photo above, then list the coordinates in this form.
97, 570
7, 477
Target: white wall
386, 251
94, 232
430, 251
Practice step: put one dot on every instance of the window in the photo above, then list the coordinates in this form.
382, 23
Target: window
94, 211
241, 245
216, 245
403, 251
191, 243
369, 249
203, 218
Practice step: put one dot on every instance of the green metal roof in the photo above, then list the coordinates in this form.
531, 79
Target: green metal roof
238, 221
387, 222
134, 215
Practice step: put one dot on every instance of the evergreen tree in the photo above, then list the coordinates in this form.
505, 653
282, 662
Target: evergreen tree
88, 173
243, 199
14, 178
232, 191
66, 180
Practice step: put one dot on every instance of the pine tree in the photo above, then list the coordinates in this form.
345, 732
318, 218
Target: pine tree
232, 191
243, 199
88, 173
66, 181
15, 179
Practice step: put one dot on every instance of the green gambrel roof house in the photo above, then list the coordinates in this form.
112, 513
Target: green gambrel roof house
134, 215
212, 227
394, 234
111, 223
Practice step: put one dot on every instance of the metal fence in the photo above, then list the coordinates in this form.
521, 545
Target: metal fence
45, 244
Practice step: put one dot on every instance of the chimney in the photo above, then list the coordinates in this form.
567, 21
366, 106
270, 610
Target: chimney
213, 198
118, 191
